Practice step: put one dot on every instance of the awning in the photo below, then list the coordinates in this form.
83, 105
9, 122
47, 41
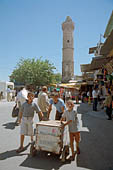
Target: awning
108, 45
70, 85
55, 85
109, 67
99, 63
85, 67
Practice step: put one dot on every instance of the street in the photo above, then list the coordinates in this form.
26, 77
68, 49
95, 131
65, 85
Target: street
96, 143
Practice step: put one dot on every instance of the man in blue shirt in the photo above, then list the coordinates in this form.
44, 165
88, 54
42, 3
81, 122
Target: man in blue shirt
59, 104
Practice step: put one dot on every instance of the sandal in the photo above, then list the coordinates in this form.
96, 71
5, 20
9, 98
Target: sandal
72, 158
20, 149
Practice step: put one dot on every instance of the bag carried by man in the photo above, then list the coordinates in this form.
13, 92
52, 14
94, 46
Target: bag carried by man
15, 111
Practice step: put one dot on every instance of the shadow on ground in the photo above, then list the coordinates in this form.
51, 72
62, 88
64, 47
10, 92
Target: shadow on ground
11, 153
96, 144
44, 161
10, 125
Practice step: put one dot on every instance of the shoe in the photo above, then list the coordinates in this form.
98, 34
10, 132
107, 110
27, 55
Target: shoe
72, 158
17, 123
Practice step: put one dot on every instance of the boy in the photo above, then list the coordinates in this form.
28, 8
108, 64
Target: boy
59, 104
26, 119
74, 128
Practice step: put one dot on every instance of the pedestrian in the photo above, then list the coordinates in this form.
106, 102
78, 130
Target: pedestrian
74, 127
95, 98
77, 96
55, 90
43, 102
13, 95
22, 95
84, 96
63, 95
100, 95
68, 95
59, 104
9, 94
108, 105
20, 99
26, 119
1, 95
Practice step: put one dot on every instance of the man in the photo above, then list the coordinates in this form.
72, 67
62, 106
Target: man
9, 94
59, 104
77, 96
22, 95
95, 98
108, 105
21, 98
43, 102
68, 95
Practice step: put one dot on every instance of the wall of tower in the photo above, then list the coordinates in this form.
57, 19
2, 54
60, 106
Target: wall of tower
68, 70
68, 54
68, 40
68, 50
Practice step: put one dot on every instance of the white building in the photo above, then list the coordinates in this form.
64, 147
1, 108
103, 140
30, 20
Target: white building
4, 86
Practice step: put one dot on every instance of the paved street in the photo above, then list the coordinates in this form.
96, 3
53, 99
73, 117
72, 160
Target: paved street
96, 143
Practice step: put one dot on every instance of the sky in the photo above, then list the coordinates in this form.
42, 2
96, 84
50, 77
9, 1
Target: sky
33, 28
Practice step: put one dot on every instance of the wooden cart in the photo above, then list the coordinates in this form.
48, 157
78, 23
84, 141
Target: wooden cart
51, 137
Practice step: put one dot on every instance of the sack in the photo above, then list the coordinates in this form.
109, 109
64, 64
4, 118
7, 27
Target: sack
15, 111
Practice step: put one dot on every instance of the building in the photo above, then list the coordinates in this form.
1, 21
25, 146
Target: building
68, 50
107, 48
103, 53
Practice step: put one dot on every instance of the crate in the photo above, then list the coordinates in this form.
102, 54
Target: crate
50, 136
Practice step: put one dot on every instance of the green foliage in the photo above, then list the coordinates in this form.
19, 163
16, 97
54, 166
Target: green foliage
57, 77
34, 71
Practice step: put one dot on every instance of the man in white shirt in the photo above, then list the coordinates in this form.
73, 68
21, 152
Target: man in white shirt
21, 98
22, 95
95, 98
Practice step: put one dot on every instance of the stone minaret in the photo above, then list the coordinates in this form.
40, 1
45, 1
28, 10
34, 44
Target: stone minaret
67, 50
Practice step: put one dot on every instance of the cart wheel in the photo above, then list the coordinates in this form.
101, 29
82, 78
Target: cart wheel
65, 153
33, 151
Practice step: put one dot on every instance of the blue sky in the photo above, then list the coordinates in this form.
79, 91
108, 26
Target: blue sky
32, 28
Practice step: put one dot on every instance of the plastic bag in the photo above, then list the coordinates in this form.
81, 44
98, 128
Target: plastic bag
15, 111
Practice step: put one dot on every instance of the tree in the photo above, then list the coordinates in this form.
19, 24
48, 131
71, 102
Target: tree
58, 77
33, 71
